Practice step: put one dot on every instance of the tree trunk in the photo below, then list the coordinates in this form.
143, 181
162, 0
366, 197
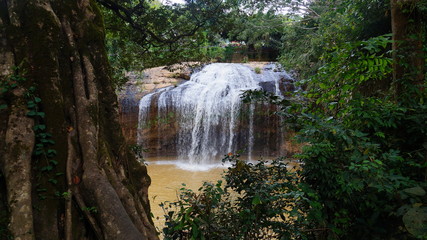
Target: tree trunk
81, 182
408, 55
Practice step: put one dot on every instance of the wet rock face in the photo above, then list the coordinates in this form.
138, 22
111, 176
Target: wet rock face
161, 136
159, 132
206, 117
141, 84
128, 106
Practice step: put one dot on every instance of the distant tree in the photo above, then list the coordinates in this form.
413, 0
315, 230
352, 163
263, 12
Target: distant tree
326, 25
157, 34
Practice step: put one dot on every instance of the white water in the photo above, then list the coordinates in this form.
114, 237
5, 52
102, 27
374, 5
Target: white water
208, 109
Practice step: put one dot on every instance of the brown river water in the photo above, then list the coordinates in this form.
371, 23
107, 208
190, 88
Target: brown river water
167, 177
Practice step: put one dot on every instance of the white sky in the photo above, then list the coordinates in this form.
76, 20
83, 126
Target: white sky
172, 1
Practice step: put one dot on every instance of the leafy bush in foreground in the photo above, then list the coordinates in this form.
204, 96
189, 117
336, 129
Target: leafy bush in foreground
265, 200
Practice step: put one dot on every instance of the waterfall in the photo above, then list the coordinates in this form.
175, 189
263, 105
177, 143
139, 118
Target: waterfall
204, 118
251, 131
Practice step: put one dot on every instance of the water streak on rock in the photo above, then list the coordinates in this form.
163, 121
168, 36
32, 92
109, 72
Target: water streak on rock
204, 118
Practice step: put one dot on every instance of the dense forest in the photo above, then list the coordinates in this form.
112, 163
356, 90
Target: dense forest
360, 114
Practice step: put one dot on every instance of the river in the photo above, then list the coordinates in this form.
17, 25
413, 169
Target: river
167, 177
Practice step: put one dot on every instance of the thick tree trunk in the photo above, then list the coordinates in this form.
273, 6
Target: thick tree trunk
88, 173
408, 52
16, 166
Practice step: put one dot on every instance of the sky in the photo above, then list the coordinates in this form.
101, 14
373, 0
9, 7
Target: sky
173, 1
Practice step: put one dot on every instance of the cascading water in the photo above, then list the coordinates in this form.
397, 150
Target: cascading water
204, 118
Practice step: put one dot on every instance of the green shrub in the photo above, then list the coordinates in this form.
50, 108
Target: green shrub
258, 201
365, 149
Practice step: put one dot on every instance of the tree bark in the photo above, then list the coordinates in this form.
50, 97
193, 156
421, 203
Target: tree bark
408, 55
16, 167
60, 49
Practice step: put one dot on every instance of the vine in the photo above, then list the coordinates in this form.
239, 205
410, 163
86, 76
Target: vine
7, 84
43, 140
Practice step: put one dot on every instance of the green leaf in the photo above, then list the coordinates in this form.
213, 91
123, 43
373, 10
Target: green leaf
41, 114
323, 86
39, 127
53, 181
38, 152
47, 141
37, 99
54, 162
378, 162
51, 152
46, 168
380, 134
417, 191
3, 106
345, 88
256, 200
42, 197
31, 113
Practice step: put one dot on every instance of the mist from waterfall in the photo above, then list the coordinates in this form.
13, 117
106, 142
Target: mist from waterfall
205, 114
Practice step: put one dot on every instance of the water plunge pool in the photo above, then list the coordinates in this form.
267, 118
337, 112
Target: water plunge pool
167, 177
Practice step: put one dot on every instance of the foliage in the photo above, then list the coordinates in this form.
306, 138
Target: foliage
142, 34
365, 149
90, 209
124, 56
196, 216
327, 25
364, 168
265, 200
272, 200
350, 71
8, 84
44, 154
357, 176
43, 140
138, 150
258, 29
